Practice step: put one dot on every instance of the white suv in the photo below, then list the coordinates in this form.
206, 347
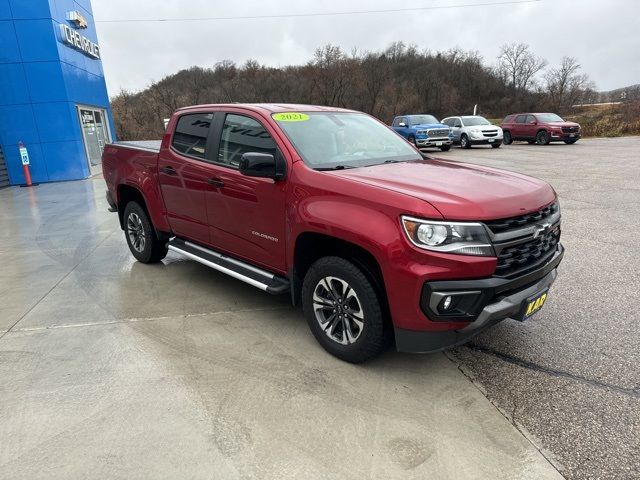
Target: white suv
474, 130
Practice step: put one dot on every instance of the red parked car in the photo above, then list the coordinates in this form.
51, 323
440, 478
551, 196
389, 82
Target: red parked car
334, 208
540, 128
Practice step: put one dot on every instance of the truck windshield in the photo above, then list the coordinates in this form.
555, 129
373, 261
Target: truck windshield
475, 121
422, 119
549, 117
335, 140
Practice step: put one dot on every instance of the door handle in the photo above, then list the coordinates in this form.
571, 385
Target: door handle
216, 182
168, 170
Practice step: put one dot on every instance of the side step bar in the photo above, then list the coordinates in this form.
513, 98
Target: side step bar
255, 276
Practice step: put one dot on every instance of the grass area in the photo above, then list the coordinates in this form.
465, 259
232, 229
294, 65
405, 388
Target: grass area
608, 120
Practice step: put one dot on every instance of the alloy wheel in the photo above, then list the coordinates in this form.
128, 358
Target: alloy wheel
338, 310
135, 231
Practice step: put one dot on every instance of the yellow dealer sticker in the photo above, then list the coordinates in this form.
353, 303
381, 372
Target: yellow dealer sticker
290, 117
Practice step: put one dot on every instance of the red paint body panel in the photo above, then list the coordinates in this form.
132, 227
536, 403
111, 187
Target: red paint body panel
361, 206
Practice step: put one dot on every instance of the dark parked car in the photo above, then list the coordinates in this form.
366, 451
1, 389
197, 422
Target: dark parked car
540, 128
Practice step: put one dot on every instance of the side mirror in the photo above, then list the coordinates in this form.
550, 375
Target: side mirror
402, 124
264, 165
533, 122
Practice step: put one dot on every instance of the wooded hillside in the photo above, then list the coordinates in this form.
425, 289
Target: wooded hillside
400, 79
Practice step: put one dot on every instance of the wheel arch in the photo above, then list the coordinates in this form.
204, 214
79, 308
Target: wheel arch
128, 193
311, 246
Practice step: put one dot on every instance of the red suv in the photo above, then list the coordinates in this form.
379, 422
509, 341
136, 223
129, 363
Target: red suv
540, 128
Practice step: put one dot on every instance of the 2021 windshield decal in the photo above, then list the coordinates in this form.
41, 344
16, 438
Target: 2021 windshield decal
290, 117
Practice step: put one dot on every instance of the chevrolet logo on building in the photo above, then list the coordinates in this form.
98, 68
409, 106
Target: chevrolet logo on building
77, 19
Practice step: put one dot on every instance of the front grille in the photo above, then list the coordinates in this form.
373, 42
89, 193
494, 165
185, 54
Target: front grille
570, 129
528, 255
497, 226
490, 133
438, 133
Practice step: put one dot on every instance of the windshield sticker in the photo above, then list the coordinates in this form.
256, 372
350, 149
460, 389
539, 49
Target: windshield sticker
290, 117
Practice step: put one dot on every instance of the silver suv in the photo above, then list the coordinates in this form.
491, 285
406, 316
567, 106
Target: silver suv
474, 130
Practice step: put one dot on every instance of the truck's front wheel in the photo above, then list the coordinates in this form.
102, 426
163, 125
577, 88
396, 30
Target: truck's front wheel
141, 236
343, 310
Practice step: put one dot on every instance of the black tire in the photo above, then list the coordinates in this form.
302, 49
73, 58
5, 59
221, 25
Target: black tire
506, 138
571, 142
372, 337
543, 137
464, 141
412, 139
445, 148
495, 145
141, 236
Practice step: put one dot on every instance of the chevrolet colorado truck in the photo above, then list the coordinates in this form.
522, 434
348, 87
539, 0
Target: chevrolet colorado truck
374, 240
423, 131
540, 128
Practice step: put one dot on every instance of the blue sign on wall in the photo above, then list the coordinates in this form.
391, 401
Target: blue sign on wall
52, 78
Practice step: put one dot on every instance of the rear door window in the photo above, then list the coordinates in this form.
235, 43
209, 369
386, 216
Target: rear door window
190, 137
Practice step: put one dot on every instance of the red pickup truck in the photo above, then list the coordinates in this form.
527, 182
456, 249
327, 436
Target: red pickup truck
375, 240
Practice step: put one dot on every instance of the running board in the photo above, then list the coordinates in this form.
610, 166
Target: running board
255, 276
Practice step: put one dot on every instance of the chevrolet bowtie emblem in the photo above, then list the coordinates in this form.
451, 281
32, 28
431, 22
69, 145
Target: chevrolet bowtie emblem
77, 19
540, 228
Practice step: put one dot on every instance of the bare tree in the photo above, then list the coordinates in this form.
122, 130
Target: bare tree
518, 66
565, 86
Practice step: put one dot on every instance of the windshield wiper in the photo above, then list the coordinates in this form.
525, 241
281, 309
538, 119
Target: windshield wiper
337, 167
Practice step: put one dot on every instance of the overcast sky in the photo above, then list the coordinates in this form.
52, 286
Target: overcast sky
603, 35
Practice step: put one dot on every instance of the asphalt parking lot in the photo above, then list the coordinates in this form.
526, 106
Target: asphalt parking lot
114, 369
570, 376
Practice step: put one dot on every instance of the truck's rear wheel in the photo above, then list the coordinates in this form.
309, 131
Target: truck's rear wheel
141, 236
343, 310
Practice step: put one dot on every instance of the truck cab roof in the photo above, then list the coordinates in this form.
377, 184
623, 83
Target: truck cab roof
268, 108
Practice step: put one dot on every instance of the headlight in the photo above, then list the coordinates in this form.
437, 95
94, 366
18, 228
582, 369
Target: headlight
448, 237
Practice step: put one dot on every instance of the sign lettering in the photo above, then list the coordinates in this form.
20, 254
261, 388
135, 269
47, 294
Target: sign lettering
79, 42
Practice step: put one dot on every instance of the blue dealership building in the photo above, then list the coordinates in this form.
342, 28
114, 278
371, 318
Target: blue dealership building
53, 96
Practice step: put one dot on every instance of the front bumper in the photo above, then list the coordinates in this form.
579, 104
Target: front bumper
485, 140
501, 298
433, 142
564, 137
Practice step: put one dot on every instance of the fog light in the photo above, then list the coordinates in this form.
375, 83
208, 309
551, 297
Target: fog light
446, 303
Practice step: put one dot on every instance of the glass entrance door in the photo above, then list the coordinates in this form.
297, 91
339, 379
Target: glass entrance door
95, 135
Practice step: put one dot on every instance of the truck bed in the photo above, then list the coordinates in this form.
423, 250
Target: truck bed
147, 145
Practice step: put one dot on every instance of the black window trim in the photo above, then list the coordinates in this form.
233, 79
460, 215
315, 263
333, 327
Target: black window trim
207, 150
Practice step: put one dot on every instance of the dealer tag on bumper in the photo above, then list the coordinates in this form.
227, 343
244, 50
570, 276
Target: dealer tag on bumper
532, 305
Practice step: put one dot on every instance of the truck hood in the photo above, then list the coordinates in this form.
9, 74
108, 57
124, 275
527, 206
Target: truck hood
425, 126
459, 191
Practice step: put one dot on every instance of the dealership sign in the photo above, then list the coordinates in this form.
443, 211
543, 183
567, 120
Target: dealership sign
79, 42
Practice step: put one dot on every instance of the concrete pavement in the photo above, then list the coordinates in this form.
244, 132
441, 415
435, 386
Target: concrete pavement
114, 369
